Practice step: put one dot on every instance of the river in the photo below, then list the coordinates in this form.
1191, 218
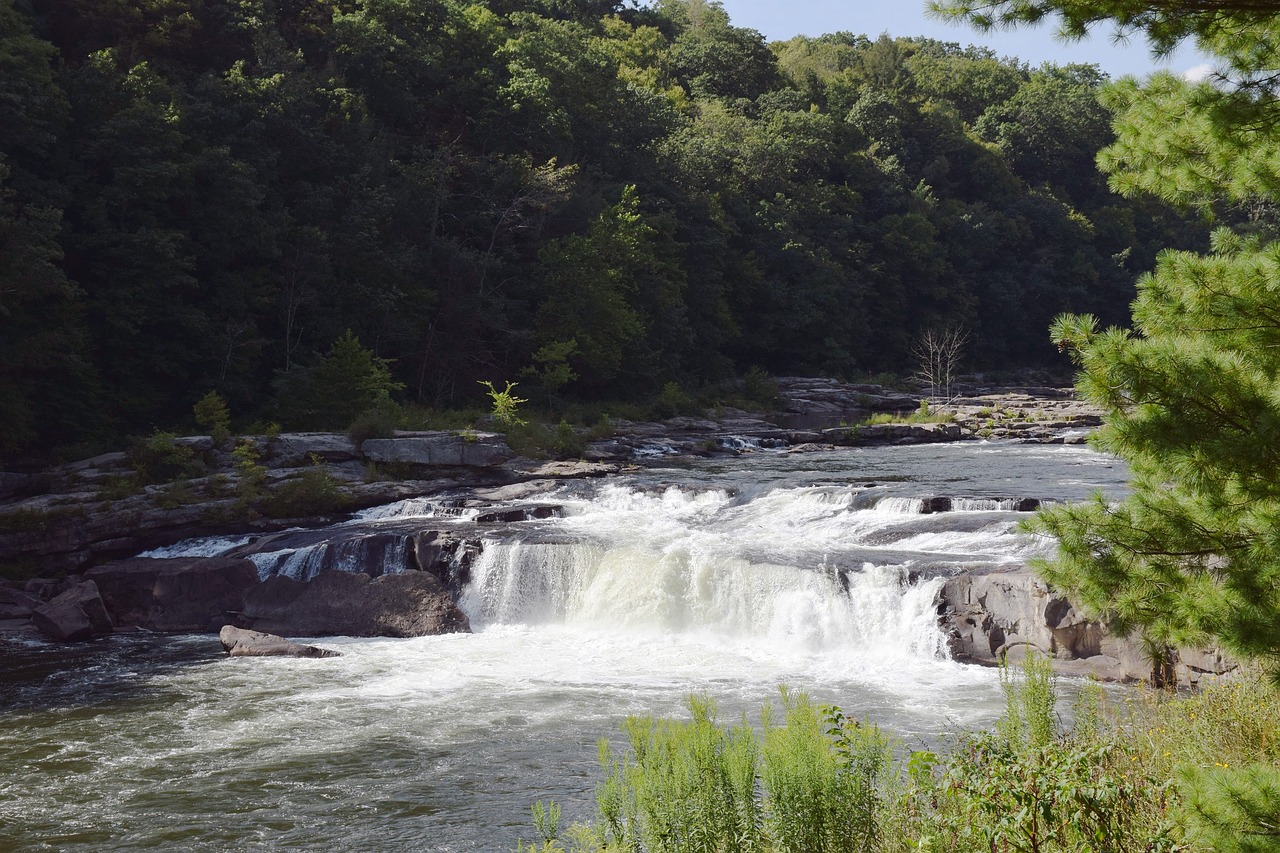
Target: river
725, 577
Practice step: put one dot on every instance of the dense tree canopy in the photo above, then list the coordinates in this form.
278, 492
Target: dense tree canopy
201, 195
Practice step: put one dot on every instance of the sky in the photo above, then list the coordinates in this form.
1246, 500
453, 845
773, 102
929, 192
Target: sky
782, 19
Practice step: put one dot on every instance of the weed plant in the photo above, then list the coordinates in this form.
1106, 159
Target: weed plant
1157, 773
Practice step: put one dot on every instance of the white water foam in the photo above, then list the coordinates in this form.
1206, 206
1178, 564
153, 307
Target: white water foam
689, 562
303, 564
203, 547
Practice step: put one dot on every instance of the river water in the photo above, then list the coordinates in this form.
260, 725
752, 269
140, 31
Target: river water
817, 571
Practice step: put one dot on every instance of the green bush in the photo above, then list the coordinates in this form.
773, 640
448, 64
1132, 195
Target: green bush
251, 475
211, 413
158, 459
1158, 774
761, 390
337, 389
539, 441
674, 401
313, 492
506, 406
378, 421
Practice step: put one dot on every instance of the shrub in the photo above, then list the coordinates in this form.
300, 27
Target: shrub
176, 494
337, 389
158, 459
313, 492
251, 475
761, 389
538, 441
674, 401
505, 406
378, 421
211, 413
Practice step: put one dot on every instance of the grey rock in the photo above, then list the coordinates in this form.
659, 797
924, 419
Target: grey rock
174, 595
17, 485
74, 615
16, 604
238, 642
293, 449
412, 604
478, 450
1011, 612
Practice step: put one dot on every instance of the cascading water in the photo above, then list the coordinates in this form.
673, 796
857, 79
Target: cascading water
817, 571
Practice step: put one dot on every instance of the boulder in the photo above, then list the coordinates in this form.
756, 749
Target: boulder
472, 450
16, 604
1009, 612
237, 642
412, 604
177, 594
293, 449
77, 614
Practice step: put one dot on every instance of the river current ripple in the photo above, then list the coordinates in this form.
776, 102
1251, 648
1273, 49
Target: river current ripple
728, 578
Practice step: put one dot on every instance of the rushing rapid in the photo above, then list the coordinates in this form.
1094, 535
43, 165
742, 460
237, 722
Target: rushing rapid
590, 601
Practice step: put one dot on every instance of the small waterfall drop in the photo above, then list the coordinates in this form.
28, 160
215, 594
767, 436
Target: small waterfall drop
792, 568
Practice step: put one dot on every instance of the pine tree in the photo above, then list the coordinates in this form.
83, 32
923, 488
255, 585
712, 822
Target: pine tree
1192, 394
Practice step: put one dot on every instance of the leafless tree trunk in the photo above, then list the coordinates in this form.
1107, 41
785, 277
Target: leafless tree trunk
938, 354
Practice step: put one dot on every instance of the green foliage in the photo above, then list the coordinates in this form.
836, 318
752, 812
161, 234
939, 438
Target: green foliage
379, 421
1030, 721
1236, 809
539, 441
177, 494
813, 783
824, 776
314, 492
505, 405
921, 415
760, 389
673, 401
251, 475
160, 459
597, 200
1159, 774
211, 413
343, 385
28, 520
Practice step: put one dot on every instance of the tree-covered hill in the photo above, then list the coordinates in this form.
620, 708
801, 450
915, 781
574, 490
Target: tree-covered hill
204, 195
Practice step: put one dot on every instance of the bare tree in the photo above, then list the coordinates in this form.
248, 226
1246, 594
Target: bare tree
938, 354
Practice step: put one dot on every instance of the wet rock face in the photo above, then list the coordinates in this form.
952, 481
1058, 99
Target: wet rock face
413, 604
1012, 612
174, 595
237, 642
76, 614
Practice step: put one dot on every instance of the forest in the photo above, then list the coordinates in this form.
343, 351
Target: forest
591, 198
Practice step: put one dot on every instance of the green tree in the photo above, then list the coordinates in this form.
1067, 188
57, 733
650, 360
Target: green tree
1192, 395
333, 392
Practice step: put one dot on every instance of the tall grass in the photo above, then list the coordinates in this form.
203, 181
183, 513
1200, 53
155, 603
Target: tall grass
1154, 773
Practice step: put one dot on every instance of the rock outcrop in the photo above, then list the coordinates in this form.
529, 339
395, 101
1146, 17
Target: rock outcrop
473, 450
237, 642
174, 595
411, 604
73, 615
1011, 611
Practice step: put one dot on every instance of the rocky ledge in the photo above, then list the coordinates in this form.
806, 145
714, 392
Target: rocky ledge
1010, 612
203, 594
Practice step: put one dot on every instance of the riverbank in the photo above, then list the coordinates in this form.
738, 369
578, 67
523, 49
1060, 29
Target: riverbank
83, 522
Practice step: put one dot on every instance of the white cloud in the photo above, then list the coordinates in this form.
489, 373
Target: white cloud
1198, 73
